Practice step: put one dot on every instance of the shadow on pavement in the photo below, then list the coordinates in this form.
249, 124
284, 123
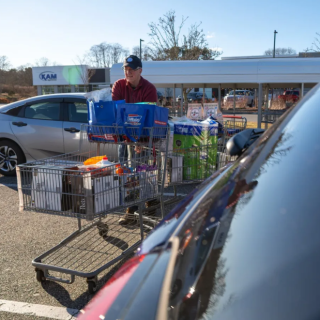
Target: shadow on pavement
9, 182
57, 291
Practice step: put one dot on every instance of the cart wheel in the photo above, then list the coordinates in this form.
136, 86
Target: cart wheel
40, 275
92, 287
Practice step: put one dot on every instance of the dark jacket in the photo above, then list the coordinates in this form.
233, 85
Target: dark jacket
144, 92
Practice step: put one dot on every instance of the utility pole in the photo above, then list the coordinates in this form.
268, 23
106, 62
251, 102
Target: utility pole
140, 48
274, 43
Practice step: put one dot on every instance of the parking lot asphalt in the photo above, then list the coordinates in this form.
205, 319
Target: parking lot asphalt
26, 235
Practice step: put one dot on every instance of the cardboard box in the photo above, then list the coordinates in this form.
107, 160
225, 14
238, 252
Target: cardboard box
195, 111
89, 193
46, 189
106, 193
174, 169
210, 110
162, 144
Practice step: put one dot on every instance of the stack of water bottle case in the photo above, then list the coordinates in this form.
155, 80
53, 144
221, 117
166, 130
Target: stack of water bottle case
193, 145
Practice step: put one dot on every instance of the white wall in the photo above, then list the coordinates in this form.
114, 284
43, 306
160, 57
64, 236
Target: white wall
58, 75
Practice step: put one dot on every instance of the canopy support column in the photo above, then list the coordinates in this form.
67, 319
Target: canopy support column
234, 99
181, 102
219, 96
260, 93
203, 93
174, 97
302, 90
267, 106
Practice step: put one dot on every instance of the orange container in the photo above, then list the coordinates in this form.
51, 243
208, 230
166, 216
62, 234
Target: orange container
121, 171
93, 160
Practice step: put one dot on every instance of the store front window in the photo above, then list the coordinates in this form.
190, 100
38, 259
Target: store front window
95, 87
47, 89
64, 89
81, 88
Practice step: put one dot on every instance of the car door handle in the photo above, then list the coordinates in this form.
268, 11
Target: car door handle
19, 124
72, 130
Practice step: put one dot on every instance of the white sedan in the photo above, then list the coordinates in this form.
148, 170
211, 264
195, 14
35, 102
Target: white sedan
241, 95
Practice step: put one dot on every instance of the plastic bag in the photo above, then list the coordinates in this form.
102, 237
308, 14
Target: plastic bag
99, 95
197, 143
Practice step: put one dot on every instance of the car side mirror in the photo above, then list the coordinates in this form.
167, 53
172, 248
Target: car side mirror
242, 141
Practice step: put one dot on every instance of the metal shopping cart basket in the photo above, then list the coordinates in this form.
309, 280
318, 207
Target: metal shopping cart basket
195, 163
64, 186
233, 124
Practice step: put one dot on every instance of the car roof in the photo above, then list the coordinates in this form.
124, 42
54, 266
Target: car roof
252, 233
12, 105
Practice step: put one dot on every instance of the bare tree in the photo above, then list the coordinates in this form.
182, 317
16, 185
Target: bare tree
103, 55
100, 55
268, 52
94, 55
315, 47
291, 51
145, 52
168, 44
280, 51
84, 73
316, 43
42, 62
4, 63
25, 75
4, 66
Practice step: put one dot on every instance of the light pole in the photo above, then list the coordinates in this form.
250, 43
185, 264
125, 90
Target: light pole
140, 48
274, 43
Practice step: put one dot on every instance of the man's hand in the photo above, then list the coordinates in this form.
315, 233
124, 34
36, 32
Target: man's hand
138, 149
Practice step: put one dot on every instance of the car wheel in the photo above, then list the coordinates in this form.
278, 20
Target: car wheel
10, 156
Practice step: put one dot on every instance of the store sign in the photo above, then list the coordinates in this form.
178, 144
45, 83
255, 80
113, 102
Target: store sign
58, 75
48, 76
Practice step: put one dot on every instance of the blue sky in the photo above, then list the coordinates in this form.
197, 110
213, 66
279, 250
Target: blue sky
61, 30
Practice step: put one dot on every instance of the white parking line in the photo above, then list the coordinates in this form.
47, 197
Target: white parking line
38, 310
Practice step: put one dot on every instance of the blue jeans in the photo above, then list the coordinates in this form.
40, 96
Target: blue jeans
123, 154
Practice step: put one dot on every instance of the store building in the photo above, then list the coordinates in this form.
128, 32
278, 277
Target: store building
260, 75
76, 78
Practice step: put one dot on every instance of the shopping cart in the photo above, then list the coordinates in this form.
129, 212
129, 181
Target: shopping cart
63, 186
271, 116
233, 124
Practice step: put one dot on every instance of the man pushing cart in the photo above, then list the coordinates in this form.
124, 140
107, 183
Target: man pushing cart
133, 89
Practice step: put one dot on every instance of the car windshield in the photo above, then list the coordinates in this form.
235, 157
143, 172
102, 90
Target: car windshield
291, 92
238, 92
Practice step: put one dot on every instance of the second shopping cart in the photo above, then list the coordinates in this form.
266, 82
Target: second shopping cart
72, 185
